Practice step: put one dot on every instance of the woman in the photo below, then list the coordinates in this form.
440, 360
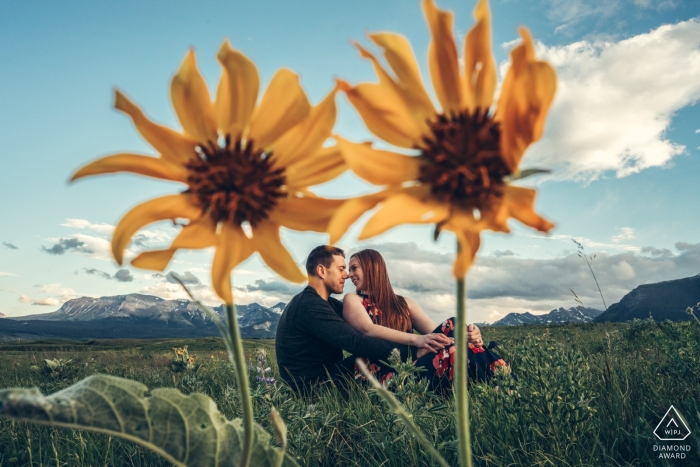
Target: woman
375, 310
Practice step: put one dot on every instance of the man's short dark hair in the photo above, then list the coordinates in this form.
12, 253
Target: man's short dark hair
322, 255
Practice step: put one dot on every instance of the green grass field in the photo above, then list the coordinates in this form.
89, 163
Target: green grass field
587, 395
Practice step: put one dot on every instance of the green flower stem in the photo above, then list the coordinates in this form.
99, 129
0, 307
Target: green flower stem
238, 360
460, 377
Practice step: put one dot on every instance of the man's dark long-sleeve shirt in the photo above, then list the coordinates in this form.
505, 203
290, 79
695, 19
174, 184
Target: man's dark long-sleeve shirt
312, 334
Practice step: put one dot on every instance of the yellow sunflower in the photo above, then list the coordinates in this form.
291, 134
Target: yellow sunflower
247, 166
467, 154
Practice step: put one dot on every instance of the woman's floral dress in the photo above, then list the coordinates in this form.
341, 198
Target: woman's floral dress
482, 362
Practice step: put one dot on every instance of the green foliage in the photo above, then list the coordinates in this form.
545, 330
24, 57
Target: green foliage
186, 430
585, 395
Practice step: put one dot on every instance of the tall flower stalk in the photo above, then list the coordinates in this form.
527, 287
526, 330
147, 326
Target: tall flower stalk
467, 149
247, 167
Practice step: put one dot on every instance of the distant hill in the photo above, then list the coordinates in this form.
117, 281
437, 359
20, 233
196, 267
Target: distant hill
577, 314
137, 316
662, 300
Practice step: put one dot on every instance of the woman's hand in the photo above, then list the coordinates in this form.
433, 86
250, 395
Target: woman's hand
432, 342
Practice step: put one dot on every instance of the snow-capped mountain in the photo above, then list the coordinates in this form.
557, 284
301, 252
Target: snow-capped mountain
577, 314
139, 316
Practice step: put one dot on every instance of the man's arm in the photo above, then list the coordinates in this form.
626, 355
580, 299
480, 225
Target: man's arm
322, 322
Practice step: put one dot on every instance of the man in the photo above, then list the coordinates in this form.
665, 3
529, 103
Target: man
312, 334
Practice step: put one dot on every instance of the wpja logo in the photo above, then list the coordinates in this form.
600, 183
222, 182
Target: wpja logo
672, 427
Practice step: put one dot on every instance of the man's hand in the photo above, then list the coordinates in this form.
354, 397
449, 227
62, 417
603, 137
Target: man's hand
474, 335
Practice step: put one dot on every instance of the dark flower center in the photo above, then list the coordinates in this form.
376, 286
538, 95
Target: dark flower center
463, 162
235, 182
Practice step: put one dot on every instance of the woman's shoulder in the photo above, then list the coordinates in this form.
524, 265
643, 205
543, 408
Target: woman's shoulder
351, 296
409, 301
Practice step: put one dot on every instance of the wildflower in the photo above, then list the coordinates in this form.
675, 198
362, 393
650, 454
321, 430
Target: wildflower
689, 310
247, 167
466, 154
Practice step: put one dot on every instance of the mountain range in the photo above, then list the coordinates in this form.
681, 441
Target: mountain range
137, 316
141, 316
577, 314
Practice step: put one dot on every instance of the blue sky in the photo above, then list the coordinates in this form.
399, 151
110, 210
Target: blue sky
622, 140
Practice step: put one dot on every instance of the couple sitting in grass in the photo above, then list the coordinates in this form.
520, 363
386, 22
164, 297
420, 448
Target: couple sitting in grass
315, 328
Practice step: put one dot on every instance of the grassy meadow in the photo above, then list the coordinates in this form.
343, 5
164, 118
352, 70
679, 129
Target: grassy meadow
586, 395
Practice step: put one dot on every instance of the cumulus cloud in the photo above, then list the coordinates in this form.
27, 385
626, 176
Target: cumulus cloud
626, 233
67, 244
9, 245
24, 299
615, 102
498, 285
123, 275
187, 278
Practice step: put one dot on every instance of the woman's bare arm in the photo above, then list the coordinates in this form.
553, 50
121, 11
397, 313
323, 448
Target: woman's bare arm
356, 315
421, 322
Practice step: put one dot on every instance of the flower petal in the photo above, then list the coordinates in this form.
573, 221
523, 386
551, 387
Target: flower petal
169, 143
469, 242
321, 167
384, 113
237, 91
520, 203
142, 165
350, 211
376, 166
283, 105
479, 64
234, 248
197, 234
166, 207
442, 58
192, 103
306, 137
398, 53
156, 260
400, 209
306, 213
266, 237
526, 96
406, 112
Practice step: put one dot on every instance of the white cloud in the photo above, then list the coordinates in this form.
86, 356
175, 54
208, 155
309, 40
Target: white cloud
50, 301
627, 233
83, 224
7, 274
615, 102
24, 299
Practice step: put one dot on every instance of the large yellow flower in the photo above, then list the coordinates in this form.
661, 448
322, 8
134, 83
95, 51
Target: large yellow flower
467, 153
245, 164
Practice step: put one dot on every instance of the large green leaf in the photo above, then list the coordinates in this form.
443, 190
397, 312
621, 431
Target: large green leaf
186, 430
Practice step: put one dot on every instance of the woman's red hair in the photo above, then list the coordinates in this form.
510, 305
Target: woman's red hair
393, 308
